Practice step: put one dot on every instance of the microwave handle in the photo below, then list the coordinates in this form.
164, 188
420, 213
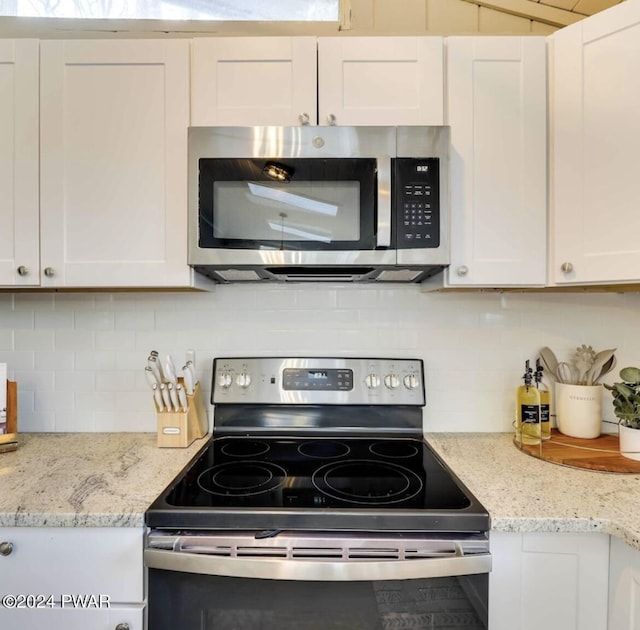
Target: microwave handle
383, 229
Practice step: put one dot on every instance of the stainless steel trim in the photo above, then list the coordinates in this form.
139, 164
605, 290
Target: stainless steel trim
383, 238
266, 386
307, 141
326, 571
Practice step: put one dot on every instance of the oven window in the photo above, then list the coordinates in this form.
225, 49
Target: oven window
202, 602
326, 204
299, 211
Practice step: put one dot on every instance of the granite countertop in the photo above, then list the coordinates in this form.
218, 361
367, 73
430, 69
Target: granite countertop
526, 494
85, 479
109, 480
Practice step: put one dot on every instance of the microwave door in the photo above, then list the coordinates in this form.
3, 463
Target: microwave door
325, 205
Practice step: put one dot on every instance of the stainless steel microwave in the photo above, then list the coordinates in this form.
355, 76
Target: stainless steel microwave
318, 203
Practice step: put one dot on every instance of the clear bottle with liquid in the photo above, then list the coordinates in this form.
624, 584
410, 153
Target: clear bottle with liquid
545, 403
528, 430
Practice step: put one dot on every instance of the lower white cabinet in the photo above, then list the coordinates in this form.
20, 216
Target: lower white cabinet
71, 577
555, 581
117, 617
624, 587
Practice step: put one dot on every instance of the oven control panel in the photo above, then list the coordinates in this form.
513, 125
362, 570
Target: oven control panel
316, 381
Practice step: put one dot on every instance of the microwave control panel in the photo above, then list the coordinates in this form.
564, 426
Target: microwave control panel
417, 202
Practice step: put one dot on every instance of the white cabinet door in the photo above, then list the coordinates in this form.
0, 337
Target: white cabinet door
19, 237
496, 107
596, 139
380, 80
254, 81
548, 580
74, 561
72, 578
114, 118
624, 587
70, 618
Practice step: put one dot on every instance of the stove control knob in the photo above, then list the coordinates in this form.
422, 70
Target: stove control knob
372, 381
391, 381
411, 381
224, 380
243, 380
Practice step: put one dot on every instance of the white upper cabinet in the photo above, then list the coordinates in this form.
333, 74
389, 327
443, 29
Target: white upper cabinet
254, 81
596, 145
496, 107
380, 81
19, 244
113, 151
326, 81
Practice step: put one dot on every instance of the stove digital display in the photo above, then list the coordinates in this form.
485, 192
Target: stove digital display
299, 379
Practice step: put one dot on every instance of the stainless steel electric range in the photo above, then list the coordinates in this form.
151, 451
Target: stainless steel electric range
317, 504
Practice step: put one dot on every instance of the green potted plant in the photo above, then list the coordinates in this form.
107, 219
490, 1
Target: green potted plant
626, 406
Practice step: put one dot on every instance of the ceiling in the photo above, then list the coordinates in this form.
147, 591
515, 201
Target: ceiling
557, 12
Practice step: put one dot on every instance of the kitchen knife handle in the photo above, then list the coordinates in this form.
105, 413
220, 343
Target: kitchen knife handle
182, 397
173, 396
157, 396
166, 399
187, 376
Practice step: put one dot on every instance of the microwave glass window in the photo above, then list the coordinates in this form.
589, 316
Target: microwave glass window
320, 211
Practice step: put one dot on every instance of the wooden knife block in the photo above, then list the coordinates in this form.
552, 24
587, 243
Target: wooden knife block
9, 440
178, 429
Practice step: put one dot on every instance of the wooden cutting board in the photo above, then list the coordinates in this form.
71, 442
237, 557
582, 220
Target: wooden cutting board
602, 453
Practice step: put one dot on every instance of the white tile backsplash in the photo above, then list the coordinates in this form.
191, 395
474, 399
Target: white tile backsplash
79, 358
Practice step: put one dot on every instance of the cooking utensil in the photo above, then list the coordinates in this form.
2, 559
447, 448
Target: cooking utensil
582, 360
166, 399
601, 359
606, 368
151, 376
155, 362
182, 397
187, 375
157, 396
567, 373
170, 371
173, 395
549, 361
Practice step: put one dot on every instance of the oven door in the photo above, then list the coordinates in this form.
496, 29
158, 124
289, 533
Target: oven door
445, 585
328, 204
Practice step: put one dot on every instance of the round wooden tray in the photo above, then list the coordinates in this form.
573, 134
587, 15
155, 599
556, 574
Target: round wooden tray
602, 453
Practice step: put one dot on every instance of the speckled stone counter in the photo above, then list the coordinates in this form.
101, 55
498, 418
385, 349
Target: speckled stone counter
85, 479
109, 480
525, 494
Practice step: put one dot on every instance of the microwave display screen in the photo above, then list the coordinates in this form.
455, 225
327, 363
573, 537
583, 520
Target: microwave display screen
322, 211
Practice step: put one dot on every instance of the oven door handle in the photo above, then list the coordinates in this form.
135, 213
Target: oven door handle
321, 571
383, 229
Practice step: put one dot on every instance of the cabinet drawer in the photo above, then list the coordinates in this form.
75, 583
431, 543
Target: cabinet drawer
73, 561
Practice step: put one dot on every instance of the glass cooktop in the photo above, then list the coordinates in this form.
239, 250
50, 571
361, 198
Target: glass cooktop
338, 482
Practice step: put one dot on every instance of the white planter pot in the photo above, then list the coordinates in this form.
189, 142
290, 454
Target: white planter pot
579, 410
630, 442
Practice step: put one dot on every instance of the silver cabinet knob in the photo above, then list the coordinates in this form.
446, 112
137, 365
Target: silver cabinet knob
566, 267
304, 118
49, 272
6, 548
23, 271
462, 270
122, 626
331, 119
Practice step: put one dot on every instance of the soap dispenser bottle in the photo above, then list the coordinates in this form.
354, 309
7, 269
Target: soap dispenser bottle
545, 403
528, 410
